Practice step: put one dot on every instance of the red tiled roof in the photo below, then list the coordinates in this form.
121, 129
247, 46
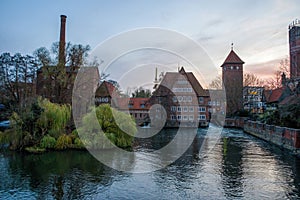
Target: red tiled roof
105, 89
267, 94
293, 99
110, 87
132, 103
233, 58
137, 102
275, 95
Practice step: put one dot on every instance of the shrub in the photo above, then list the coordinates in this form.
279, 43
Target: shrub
48, 142
63, 142
78, 144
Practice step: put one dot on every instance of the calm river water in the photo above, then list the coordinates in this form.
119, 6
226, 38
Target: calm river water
237, 167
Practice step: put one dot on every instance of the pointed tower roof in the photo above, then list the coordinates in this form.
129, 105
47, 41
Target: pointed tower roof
232, 58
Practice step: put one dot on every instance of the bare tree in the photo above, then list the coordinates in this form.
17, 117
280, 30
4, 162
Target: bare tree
216, 83
251, 79
276, 81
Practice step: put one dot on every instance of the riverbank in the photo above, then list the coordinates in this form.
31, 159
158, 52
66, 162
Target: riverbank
287, 138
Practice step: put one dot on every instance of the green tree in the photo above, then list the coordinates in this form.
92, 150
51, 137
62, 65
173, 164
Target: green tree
117, 126
141, 93
29, 127
17, 79
60, 76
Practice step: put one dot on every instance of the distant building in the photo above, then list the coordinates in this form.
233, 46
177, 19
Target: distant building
254, 100
232, 76
138, 108
182, 100
105, 93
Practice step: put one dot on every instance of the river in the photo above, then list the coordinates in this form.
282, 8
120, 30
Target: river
238, 166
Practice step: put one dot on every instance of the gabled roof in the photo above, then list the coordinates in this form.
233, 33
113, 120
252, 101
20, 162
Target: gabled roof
170, 78
273, 96
233, 58
105, 89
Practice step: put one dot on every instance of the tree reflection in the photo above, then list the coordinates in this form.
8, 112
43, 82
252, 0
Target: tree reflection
232, 170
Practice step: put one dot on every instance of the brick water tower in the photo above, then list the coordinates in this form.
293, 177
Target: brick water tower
232, 76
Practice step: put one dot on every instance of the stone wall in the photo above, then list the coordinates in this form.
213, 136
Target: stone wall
287, 138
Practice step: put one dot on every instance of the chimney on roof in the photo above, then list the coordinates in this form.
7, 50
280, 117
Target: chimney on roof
62, 41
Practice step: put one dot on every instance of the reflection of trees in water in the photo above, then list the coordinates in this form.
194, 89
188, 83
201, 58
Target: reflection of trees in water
67, 175
232, 170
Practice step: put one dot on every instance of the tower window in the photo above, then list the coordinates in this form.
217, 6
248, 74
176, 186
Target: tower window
237, 67
231, 67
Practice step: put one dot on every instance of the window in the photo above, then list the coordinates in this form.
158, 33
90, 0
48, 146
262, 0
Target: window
142, 105
173, 117
185, 109
185, 117
189, 99
179, 98
173, 108
191, 117
179, 117
201, 117
174, 99
201, 109
159, 99
231, 67
191, 108
178, 109
182, 81
201, 100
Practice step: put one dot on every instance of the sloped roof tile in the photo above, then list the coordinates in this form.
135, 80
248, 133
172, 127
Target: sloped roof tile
233, 58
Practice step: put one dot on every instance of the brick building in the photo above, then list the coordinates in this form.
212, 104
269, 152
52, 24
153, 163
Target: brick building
182, 100
294, 42
232, 76
138, 108
56, 82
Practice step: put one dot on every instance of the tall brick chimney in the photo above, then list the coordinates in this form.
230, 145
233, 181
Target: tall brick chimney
62, 41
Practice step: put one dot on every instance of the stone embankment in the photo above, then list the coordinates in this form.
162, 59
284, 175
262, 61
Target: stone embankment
284, 137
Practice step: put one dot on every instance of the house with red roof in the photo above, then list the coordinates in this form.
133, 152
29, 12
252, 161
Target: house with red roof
179, 100
138, 108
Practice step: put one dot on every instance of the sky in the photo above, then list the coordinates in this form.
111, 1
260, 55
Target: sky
258, 29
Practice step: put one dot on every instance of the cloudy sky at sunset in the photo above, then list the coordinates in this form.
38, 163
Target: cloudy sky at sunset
257, 28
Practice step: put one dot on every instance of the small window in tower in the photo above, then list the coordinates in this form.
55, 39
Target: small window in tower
237, 67
231, 67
